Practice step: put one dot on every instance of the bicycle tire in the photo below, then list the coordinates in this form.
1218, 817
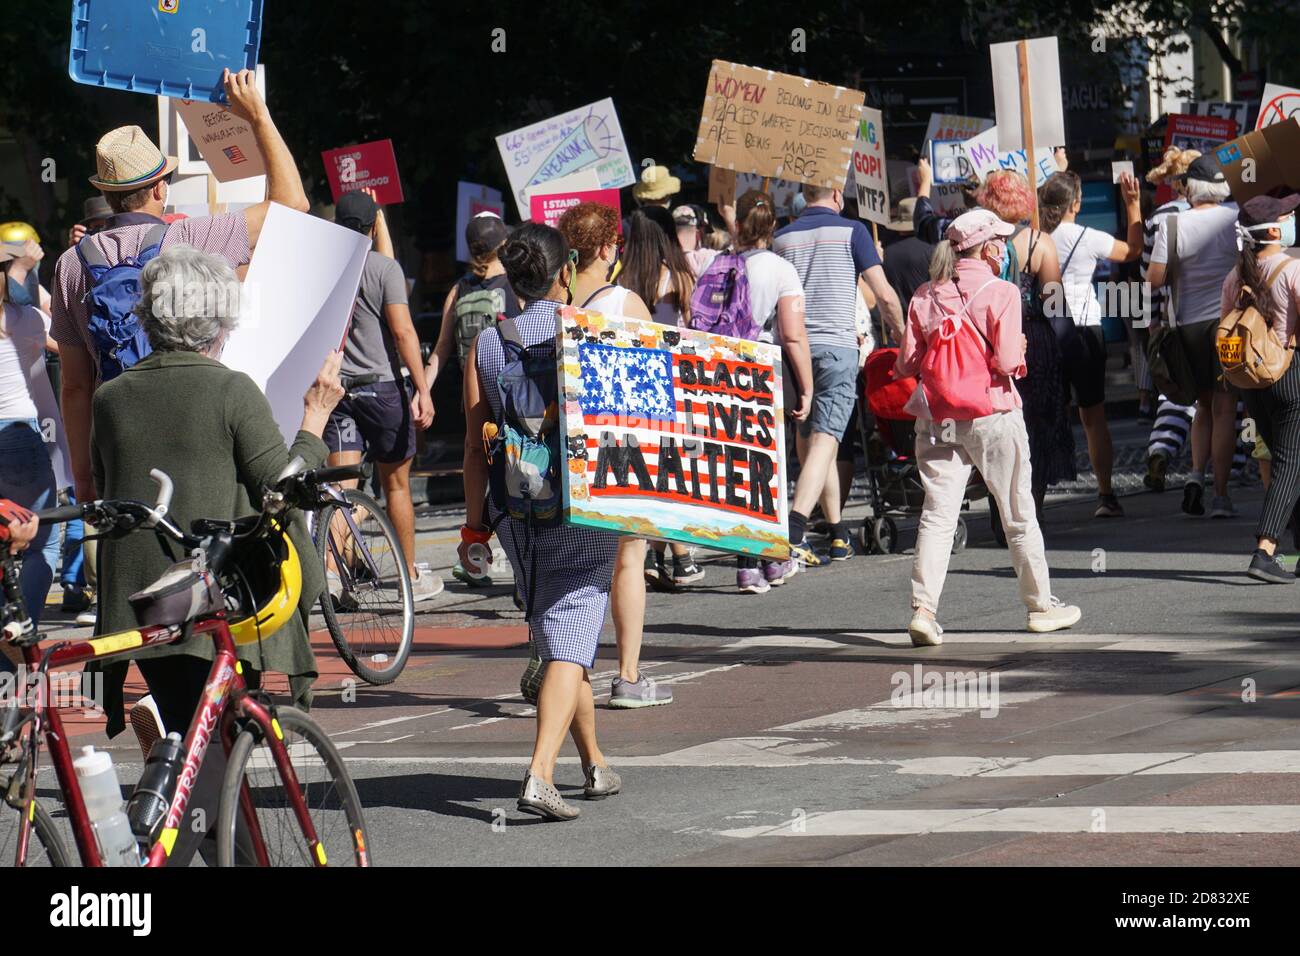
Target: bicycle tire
44, 830
356, 654
299, 732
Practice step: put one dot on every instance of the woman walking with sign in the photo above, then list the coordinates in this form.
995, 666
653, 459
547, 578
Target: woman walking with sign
566, 603
963, 339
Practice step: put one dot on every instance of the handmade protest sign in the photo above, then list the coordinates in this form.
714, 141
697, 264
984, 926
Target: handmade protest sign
224, 140
870, 176
164, 47
1278, 104
296, 302
777, 125
472, 199
365, 166
588, 137
781, 191
585, 181
673, 434
1042, 93
722, 186
1262, 160
1120, 169
984, 157
947, 197
547, 208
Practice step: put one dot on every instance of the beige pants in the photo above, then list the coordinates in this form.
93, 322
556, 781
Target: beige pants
998, 446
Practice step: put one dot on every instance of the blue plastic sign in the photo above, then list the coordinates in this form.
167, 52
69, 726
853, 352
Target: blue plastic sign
175, 48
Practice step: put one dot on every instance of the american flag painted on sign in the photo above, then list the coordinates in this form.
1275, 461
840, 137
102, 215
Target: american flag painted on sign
234, 154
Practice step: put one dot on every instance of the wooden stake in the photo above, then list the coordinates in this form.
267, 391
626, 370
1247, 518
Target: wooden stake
212, 193
875, 236
1027, 129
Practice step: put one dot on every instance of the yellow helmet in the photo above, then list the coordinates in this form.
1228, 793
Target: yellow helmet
269, 584
17, 232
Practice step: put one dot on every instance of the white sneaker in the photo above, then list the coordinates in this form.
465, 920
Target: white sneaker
147, 723
88, 617
425, 584
924, 631
1056, 618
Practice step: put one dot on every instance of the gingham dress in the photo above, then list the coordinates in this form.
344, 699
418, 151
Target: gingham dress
573, 565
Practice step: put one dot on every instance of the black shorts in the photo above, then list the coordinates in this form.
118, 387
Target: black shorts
1203, 355
1083, 361
374, 419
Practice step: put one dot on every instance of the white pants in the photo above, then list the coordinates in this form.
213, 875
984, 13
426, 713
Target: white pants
998, 446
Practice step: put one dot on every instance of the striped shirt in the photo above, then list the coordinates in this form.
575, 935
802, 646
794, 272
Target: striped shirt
225, 236
828, 252
1152, 226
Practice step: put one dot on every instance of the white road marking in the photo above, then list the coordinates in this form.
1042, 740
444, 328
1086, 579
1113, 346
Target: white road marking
909, 709
1083, 819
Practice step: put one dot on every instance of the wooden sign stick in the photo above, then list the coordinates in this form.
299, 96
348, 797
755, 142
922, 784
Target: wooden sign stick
1027, 128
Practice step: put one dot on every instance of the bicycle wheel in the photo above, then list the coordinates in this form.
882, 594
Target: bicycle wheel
372, 621
45, 848
327, 790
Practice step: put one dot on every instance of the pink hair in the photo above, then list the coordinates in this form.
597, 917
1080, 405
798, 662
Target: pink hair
1007, 195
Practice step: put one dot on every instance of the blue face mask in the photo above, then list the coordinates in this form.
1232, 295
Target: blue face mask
1288, 232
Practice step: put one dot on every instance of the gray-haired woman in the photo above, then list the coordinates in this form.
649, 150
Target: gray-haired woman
211, 429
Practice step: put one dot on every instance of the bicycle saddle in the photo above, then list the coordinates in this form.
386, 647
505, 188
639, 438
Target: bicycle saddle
204, 527
181, 594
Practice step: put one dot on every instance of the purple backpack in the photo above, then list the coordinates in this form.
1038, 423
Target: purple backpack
720, 302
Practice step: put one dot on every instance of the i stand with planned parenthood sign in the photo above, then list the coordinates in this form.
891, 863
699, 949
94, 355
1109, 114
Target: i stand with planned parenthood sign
163, 47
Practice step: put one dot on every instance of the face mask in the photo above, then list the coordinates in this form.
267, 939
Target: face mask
573, 275
1288, 232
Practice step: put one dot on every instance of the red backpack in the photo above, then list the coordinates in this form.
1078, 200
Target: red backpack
956, 377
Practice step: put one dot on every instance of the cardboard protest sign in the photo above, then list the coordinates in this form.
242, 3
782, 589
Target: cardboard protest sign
984, 157
722, 186
950, 126
777, 125
295, 306
1262, 160
164, 47
1044, 64
673, 434
472, 199
588, 137
870, 175
547, 208
225, 141
1279, 104
365, 166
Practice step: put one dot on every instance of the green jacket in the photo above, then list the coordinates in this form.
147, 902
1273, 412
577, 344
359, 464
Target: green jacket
210, 428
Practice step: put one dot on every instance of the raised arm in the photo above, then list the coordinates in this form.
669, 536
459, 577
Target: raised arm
1129, 249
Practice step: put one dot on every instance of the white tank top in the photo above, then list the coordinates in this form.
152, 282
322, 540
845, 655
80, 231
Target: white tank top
22, 340
610, 301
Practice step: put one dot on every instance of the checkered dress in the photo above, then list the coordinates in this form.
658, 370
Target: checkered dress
572, 565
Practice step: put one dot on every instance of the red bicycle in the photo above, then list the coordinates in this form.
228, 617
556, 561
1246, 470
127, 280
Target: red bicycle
286, 797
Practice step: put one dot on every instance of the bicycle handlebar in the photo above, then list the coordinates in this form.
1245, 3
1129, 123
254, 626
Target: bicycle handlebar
61, 514
325, 476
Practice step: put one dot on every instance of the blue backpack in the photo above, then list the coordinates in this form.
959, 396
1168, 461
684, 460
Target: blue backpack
114, 292
524, 458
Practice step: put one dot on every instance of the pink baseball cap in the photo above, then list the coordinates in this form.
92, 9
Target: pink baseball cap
979, 225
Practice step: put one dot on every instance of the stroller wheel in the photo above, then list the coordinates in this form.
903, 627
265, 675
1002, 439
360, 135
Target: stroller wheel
959, 537
885, 535
865, 540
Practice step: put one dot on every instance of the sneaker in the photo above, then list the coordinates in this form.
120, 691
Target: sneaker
1057, 617
425, 585
686, 571
1108, 507
1268, 568
1221, 506
90, 615
1157, 465
803, 554
778, 572
75, 599
752, 581
626, 694
656, 571
924, 631
1193, 498
342, 600
841, 549
147, 723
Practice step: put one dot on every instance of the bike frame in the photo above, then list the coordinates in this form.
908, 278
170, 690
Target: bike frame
342, 567
225, 701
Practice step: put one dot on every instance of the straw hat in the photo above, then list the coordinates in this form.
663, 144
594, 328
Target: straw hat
656, 183
902, 218
126, 159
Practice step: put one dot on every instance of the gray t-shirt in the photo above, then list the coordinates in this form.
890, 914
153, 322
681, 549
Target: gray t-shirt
369, 348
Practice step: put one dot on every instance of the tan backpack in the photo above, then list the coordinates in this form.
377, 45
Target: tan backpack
1248, 351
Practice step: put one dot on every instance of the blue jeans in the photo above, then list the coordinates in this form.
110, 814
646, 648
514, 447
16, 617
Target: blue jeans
73, 571
27, 477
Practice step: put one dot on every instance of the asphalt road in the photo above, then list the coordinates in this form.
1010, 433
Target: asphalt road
806, 728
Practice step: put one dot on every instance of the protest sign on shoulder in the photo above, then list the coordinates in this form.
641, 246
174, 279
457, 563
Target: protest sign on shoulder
673, 434
1044, 65
870, 174
586, 138
547, 208
296, 302
364, 166
1278, 104
472, 199
163, 47
777, 125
